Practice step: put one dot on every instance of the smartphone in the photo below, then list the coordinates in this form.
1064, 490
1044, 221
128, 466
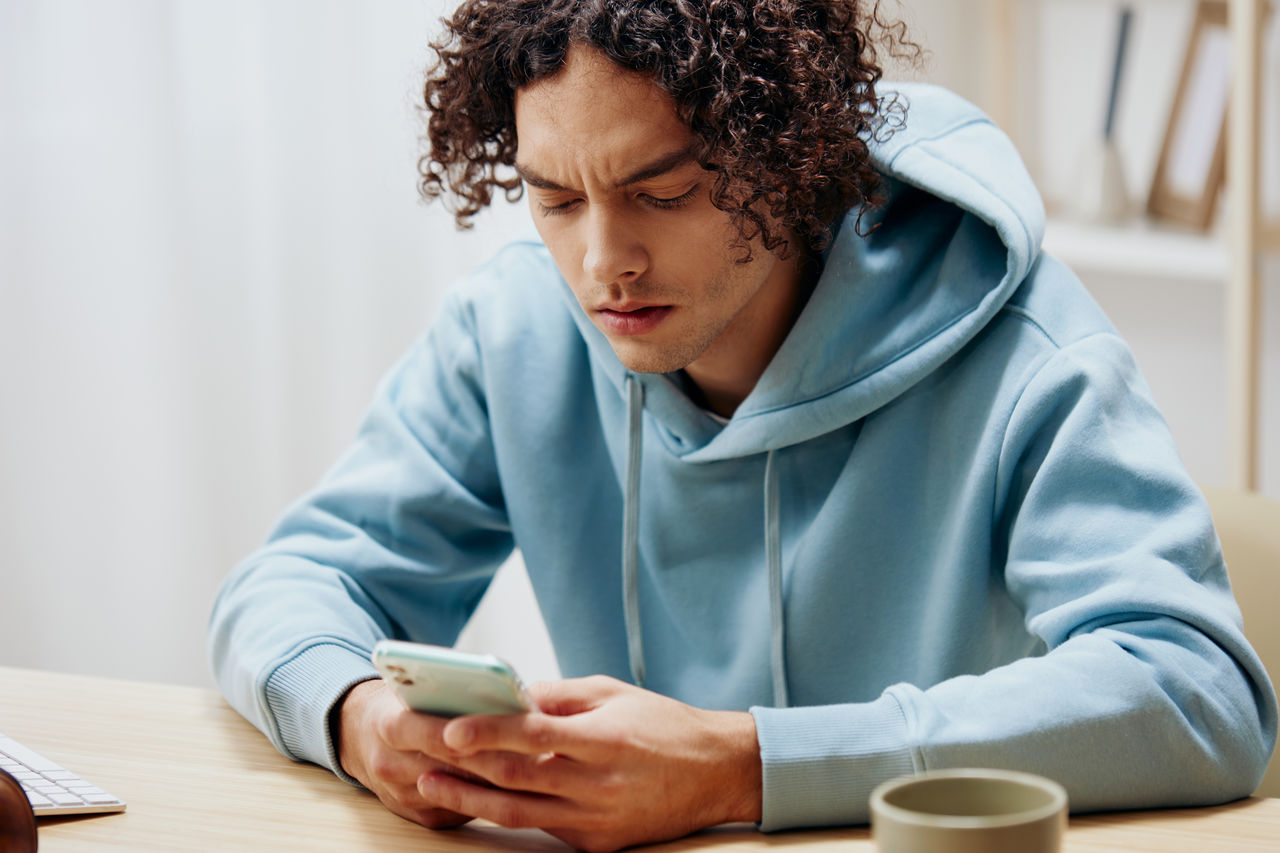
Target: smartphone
448, 683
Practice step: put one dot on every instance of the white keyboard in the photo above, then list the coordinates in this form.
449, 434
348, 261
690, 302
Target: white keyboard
53, 789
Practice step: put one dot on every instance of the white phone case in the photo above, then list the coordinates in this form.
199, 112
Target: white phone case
447, 683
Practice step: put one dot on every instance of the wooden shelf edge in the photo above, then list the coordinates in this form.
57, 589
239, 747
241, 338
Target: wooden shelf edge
1269, 240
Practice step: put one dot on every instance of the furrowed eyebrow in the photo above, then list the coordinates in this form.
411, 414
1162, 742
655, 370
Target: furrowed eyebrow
658, 167
534, 180
661, 166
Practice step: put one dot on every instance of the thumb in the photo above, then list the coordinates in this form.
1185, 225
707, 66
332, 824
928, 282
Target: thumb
573, 695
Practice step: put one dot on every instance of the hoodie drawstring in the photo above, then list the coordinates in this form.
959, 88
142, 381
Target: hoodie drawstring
631, 528
773, 554
631, 552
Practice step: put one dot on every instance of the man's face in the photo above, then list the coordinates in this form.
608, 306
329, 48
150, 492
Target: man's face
625, 211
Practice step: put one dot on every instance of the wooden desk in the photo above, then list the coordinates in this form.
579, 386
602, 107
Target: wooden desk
198, 777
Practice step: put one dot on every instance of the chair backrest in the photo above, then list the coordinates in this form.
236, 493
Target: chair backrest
1249, 527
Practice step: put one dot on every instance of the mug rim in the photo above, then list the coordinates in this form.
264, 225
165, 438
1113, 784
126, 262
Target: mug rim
1057, 799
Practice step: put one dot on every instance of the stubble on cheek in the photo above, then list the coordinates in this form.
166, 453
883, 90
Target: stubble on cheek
691, 330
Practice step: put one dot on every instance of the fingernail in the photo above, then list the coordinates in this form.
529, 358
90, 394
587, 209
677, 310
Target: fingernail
457, 736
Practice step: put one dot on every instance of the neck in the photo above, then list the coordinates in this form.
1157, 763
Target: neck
725, 374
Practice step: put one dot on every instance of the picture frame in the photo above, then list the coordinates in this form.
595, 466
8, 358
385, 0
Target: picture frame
1190, 170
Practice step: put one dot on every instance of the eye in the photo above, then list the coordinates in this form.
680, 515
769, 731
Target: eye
557, 209
671, 203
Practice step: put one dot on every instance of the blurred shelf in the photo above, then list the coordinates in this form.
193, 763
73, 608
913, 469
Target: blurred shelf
1271, 237
1138, 248
1233, 258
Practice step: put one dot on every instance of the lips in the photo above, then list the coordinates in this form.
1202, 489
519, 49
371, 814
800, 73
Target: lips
632, 319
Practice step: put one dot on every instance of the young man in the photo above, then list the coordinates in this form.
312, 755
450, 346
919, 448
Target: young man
794, 426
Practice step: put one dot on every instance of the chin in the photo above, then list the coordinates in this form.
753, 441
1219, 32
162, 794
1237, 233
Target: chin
649, 359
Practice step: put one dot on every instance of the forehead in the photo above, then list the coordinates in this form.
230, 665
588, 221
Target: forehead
596, 117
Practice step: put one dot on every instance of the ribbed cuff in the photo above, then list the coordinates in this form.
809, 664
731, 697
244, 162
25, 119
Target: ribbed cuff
301, 693
821, 763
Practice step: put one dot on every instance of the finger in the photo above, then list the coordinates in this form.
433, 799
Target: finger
420, 746
397, 788
432, 818
527, 734
548, 773
454, 769
394, 767
439, 818
505, 808
573, 695
409, 730
401, 769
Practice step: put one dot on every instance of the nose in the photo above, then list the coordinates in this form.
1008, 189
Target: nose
614, 250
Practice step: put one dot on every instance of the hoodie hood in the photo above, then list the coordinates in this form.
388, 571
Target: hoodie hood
961, 226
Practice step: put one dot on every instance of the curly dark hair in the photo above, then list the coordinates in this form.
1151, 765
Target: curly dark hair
779, 95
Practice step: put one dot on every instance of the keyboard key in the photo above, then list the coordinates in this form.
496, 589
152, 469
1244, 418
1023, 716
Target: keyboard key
38, 800
21, 754
65, 799
84, 788
101, 798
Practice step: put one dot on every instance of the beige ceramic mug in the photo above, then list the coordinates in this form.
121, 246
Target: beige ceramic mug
969, 811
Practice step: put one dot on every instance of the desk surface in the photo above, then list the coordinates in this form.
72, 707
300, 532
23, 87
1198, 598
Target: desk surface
196, 776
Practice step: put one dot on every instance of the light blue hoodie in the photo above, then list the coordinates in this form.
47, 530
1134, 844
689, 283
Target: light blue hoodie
948, 527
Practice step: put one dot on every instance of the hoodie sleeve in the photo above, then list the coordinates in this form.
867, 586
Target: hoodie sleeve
399, 539
1148, 693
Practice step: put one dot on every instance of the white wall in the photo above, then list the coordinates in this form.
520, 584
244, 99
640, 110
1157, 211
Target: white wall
211, 248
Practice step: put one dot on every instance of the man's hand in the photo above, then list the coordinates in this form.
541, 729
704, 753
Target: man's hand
605, 766
382, 744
